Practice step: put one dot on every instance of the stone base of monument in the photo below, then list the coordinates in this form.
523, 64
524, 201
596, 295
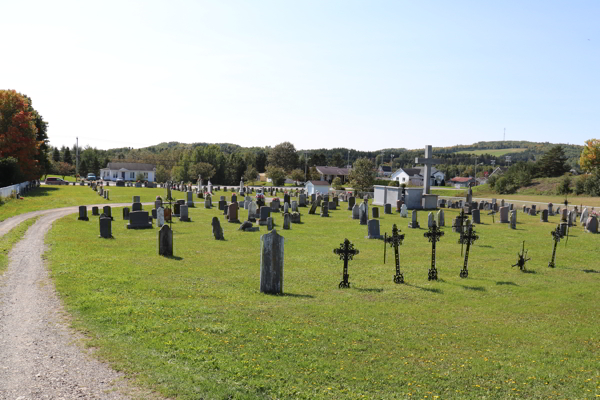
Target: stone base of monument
429, 201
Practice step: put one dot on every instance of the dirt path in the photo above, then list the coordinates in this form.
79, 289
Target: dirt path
39, 354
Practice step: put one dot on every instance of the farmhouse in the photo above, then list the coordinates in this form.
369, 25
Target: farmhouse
461, 182
414, 176
128, 171
330, 173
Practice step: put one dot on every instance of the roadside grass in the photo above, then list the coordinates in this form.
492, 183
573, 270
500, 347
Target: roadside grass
493, 152
485, 191
10, 239
196, 326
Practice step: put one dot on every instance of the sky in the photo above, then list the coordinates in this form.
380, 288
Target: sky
365, 75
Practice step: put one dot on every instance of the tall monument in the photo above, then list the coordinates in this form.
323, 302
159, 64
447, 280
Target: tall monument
429, 201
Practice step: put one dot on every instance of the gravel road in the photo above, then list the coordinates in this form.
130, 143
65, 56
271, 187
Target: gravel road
40, 356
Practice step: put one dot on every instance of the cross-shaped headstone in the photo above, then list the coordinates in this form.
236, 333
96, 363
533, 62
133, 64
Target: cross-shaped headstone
467, 238
429, 162
395, 241
434, 236
346, 251
556, 236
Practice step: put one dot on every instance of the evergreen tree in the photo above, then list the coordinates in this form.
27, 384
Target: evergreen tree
67, 156
56, 155
553, 163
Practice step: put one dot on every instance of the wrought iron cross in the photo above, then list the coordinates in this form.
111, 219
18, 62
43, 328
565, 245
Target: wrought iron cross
522, 258
492, 213
434, 236
346, 251
556, 237
460, 220
395, 241
468, 238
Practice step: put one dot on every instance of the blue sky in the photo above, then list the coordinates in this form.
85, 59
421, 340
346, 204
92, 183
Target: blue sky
359, 74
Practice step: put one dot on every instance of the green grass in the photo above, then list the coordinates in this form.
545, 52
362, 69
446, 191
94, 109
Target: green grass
196, 326
532, 195
10, 239
493, 152
66, 178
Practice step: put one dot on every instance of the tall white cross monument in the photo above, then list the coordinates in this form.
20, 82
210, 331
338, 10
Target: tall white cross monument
428, 201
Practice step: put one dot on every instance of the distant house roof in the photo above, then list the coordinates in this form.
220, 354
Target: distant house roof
385, 168
333, 171
319, 183
130, 166
460, 179
412, 171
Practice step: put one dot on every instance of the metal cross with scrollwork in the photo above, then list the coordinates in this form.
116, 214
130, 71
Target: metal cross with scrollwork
522, 258
346, 251
468, 238
395, 241
556, 236
460, 220
434, 236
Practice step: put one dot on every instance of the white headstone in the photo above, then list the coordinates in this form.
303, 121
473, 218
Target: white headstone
160, 216
404, 211
430, 220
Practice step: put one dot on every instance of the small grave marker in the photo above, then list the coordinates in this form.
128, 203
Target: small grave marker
346, 252
434, 236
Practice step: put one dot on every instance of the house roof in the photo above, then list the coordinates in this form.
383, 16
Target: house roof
461, 179
333, 171
386, 168
412, 171
130, 166
319, 183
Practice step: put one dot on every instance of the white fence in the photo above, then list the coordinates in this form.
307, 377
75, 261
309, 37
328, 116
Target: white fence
18, 188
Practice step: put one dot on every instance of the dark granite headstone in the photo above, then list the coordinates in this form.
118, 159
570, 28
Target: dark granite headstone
165, 241
126, 213
83, 214
105, 227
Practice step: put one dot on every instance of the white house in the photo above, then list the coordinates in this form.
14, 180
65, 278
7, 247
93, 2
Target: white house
128, 171
317, 186
414, 176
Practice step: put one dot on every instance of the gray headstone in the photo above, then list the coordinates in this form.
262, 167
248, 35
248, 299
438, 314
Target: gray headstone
476, 214
208, 201
160, 216
351, 202
83, 213
313, 208
591, 224
286, 221
269, 223
375, 212
325, 210
550, 210
504, 215
136, 199
252, 211
302, 200
190, 199
363, 213
126, 213
513, 219
105, 227
564, 214
544, 216
136, 207
216, 229
222, 204
271, 263
165, 241
415, 221
430, 220
286, 208
275, 205
584, 216
294, 206
265, 212
183, 213
387, 209
355, 212
373, 230
404, 211
440, 219
139, 220
532, 210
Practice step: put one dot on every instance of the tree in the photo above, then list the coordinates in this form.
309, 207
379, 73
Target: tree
590, 156
564, 186
18, 133
250, 175
337, 183
277, 175
83, 168
313, 174
283, 156
317, 160
553, 163
362, 175
56, 155
203, 169
10, 173
162, 174
64, 169
67, 156
297, 175
338, 160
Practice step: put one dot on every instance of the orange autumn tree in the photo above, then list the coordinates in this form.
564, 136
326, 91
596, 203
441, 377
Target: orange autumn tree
590, 156
18, 133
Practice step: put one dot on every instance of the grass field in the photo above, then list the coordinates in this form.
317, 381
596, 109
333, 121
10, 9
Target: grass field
493, 152
196, 326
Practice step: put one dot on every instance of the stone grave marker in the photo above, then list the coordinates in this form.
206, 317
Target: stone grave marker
222, 204
504, 215
286, 208
294, 206
355, 212
135, 199
375, 212
265, 213
430, 220
363, 213
287, 221
107, 211
139, 220
95, 210
286, 198
404, 211
83, 214
584, 216
415, 222
532, 210
440, 219
331, 205
271, 263
269, 223
165, 241
232, 215
399, 204
275, 205
313, 208
513, 219
190, 199
550, 211
302, 200
234, 198
105, 227
324, 210
136, 207
544, 216
252, 211
216, 229
208, 201
183, 213
591, 224
373, 230
160, 216
476, 215
387, 209
126, 213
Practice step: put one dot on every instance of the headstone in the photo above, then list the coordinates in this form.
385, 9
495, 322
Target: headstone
176, 209
208, 201
271, 263
83, 214
513, 219
265, 212
544, 216
135, 199
325, 210
275, 205
584, 216
105, 227
355, 212
95, 210
430, 220
294, 206
234, 198
363, 213
375, 212
139, 220
105, 194
190, 199
222, 204
160, 216
286, 198
136, 207
550, 211
440, 219
313, 208
126, 213
415, 222
252, 211
269, 223
286, 208
232, 214
331, 205
532, 210
564, 214
216, 229
387, 208
469, 196
165, 241
183, 213
107, 211
302, 200
504, 215
157, 203
399, 204
295, 218
373, 230
570, 218
286, 221
591, 224
404, 211
476, 215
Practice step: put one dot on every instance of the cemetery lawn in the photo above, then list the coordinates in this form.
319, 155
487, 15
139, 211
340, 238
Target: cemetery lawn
196, 326
10, 239
47, 197
530, 195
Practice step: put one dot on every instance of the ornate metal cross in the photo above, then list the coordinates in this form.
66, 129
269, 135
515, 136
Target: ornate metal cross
434, 236
460, 220
467, 238
556, 237
395, 241
522, 258
346, 251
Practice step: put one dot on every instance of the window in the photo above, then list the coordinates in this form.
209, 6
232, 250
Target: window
132, 175
146, 175
115, 175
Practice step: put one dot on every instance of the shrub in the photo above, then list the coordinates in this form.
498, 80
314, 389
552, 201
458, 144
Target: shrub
492, 181
337, 183
580, 184
592, 184
564, 186
394, 183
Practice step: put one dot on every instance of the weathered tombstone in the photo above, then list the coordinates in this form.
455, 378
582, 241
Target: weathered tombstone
265, 212
216, 229
222, 204
302, 200
373, 230
286, 198
363, 213
440, 219
564, 214
232, 214
271, 263
157, 203
476, 215
550, 211
584, 216
275, 205
286, 221
165, 241
375, 212
105, 227
591, 224
570, 218
513, 219
415, 222
160, 216
404, 211
430, 220
504, 215
355, 212
544, 216
269, 223
325, 210
208, 201
107, 211
387, 208
286, 208
95, 210
294, 206
313, 208
125, 213
183, 213
139, 220
83, 214
252, 211
190, 199
136, 207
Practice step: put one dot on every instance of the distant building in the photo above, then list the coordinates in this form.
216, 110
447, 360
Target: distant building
317, 186
461, 182
330, 173
128, 171
414, 176
384, 170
